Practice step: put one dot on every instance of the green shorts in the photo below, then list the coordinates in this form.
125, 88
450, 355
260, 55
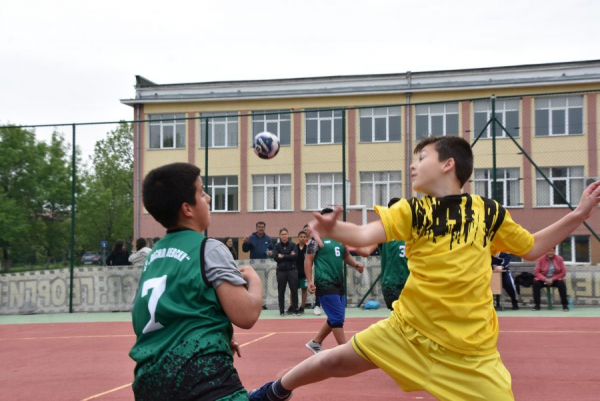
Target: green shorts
302, 283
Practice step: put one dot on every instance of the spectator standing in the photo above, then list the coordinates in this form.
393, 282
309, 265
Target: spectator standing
138, 257
119, 255
258, 243
550, 271
229, 245
317, 304
302, 283
287, 274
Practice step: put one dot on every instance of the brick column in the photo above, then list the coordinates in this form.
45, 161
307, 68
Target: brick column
244, 162
465, 120
191, 138
591, 131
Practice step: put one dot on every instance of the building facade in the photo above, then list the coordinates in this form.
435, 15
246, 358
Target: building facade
353, 136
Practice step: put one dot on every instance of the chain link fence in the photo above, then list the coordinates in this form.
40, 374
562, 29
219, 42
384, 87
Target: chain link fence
533, 153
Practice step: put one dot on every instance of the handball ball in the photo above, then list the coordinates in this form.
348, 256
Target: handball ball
266, 145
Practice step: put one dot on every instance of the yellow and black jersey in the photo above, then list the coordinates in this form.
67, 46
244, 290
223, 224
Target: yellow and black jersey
449, 243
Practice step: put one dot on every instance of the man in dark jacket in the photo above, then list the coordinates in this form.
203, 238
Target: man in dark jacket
287, 274
258, 244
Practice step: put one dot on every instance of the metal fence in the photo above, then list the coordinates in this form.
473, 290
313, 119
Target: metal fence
533, 153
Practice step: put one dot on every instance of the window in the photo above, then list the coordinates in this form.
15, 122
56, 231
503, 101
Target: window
507, 112
272, 192
508, 190
561, 115
222, 130
323, 190
378, 187
437, 119
323, 127
278, 124
167, 134
575, 249
567, 180
224, 193
380, 124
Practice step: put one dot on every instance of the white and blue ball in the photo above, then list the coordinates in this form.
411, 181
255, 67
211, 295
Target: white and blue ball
266, 145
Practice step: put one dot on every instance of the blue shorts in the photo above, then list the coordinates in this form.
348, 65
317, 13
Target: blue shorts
334, 306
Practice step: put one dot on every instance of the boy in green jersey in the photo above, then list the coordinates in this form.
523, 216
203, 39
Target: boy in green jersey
328, 257
394, 265
190, 293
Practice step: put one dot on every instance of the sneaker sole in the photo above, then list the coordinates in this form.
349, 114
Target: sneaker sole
311, 348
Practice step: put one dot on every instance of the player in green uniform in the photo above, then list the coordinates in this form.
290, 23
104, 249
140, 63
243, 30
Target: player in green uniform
328, 258
190, 293
394, 265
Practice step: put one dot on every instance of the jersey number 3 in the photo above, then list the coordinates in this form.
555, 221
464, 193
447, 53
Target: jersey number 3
158, 286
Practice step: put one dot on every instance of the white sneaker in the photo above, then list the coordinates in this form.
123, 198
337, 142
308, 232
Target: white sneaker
317, 310
313, 346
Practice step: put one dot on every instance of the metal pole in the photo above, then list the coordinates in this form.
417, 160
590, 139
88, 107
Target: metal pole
344, 184
369, 291
72, 223
494, 172
206, 162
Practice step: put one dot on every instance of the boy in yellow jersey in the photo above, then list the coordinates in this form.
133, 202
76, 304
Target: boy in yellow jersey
442, 335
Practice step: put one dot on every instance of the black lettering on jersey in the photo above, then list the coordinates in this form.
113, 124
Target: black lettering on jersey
494, 217
447, 218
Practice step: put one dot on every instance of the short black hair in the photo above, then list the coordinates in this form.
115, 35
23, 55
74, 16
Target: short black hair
168, 187
453, 147
392, 201
140, 243
302, 232
284, 229
327, 210
261, 222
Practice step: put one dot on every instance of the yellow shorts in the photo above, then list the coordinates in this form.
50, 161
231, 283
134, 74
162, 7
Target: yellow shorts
418, 364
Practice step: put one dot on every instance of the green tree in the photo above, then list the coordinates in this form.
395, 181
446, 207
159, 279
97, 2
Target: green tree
21, 160
105, 207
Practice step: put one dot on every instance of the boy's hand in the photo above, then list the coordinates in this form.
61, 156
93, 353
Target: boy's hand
246, 239
235, 347
248, 273
360, 267
311, 287
589, 200
322, 225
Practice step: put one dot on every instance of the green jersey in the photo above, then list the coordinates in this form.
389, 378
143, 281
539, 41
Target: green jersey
394, 268
181, 328
329, 266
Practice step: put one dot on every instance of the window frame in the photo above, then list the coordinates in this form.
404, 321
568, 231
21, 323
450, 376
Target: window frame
552, 108
176, 120
374, 183
501, 110
211, 190
268, 118
335, 185
444, 114
573, 247
264, 186
231, 118
548, 171
319, 119
505, 179
373, 117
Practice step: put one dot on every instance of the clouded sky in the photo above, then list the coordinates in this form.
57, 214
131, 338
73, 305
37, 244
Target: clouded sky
72, 60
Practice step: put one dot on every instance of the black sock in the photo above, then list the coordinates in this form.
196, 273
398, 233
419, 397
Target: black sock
278, 392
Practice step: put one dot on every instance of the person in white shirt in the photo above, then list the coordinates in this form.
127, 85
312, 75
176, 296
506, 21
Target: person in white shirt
138, 257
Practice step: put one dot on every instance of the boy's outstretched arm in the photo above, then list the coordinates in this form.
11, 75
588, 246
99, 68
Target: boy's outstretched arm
555, 233
242, 306
347, 233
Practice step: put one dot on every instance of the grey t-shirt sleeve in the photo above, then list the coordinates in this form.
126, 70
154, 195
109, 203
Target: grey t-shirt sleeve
219, 265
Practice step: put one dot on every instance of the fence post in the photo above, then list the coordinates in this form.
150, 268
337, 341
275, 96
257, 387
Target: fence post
72, 223
494, 171
206, 183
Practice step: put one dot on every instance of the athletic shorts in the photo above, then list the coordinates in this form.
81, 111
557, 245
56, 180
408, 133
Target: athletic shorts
418, 364
334, 306
302, 283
